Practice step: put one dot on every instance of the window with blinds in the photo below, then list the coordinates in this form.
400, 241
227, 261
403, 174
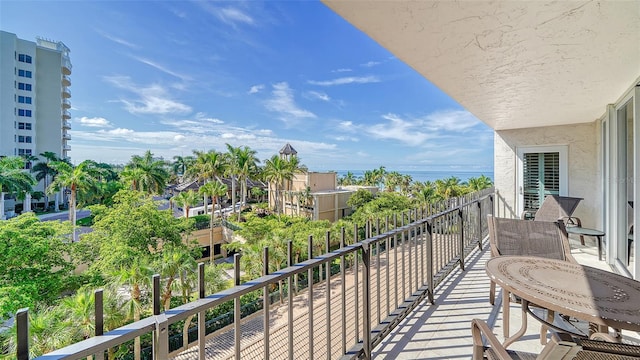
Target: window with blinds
541, 177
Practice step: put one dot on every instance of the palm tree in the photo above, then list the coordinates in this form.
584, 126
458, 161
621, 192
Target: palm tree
151, 173
207, 167
276, 172
480, 183
245, 164
174, 262
78, 179
347, 179
181, 164
44, 171
132, 177
137, 278
449, 187
213, 189
186, 199
13, 178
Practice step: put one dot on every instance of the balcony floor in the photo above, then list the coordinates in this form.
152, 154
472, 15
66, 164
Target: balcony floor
442, 331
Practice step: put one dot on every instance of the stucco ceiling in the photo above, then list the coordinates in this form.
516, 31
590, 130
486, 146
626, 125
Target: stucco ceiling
513, 64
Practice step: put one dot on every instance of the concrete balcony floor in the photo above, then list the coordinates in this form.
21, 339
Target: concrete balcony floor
442, 331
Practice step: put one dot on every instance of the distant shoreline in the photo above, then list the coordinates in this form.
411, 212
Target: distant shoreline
426, 175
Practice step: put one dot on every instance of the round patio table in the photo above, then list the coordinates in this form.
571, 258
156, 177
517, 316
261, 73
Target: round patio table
597, 296
578, 230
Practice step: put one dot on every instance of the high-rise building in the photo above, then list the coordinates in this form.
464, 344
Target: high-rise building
34, 97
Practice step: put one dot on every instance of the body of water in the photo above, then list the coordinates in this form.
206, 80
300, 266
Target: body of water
427, 175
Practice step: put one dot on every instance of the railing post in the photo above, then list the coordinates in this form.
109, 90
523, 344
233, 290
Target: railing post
290, 296
236, 306
366, 311
310, 285
202, 324
328, 296
461, 241
479, 224
429, 239
343, 268
98, 304
265, 301
356, 287
161, 336
22, 329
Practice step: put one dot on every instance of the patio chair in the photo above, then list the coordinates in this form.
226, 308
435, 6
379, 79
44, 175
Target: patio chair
561, 347
555, 207
545, 239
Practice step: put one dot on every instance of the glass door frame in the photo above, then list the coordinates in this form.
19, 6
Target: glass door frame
615, 196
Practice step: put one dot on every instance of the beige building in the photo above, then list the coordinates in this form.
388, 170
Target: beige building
558, 81
34, 98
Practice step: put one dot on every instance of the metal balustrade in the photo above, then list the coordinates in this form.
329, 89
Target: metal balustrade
345, 315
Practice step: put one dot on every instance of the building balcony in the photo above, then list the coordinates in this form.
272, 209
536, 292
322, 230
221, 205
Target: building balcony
66, 136
66, 147
66, 104
66, 114
66, 81
419, 279
66, 66
66, 125
66, 93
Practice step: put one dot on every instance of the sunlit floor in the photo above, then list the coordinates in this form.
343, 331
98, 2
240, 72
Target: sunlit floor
442, 331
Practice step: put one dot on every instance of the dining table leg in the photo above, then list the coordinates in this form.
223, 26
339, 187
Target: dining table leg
505, 312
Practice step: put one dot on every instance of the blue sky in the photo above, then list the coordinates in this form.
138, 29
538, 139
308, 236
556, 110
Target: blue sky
173, 76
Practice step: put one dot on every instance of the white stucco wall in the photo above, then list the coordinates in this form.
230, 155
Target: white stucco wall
584, 169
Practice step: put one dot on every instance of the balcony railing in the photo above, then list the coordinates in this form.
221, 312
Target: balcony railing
66, 104
66, 81
66, 93
380, 280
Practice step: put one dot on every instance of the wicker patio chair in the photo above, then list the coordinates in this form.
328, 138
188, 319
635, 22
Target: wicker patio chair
561, 347
554, 208
526, 238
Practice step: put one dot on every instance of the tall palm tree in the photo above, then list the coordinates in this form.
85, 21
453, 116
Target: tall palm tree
207, 167
13, 179
214, 190
246, 164
186, 199
152, 173
181, 164
276, 172
347, 179
78, 179
232, 171
44, 171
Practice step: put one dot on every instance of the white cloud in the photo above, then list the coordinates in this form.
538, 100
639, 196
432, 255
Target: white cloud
341, 70
200, 116
346, 80
282, 101
157, 66
117, 132
451, 120
317, 95
234, 15
94, 122
370, 64
345, 138
116, 39
256, 89
153, 99
230, 15
410, 133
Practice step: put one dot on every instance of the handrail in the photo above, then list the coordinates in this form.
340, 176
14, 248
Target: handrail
428, 246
